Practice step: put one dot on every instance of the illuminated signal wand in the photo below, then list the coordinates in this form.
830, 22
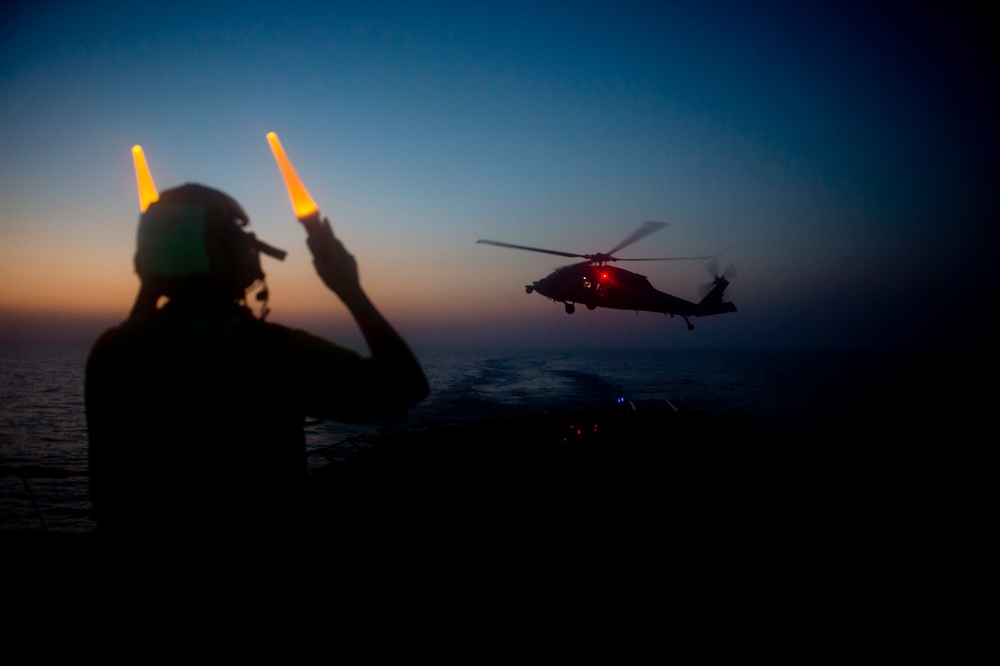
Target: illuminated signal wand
303, 206
145, 300
143, 179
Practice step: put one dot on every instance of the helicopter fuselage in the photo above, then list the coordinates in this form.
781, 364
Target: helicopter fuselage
596, 284
610, 287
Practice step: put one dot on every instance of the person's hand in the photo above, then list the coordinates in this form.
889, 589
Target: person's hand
334, 264
339, 271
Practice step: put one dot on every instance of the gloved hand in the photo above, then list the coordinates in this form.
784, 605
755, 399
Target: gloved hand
334, 264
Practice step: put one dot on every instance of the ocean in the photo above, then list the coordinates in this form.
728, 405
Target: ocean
43, 444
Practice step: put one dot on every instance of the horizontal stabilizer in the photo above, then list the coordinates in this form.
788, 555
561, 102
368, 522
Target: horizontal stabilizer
715, 308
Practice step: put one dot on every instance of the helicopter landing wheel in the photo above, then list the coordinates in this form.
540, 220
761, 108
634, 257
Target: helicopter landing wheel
528, 289
690, 325
591, 306
570, 308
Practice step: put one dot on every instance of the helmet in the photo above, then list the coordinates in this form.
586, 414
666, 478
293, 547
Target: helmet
192, 236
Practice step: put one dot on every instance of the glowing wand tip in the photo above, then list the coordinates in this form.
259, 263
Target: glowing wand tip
143, 179
302, 204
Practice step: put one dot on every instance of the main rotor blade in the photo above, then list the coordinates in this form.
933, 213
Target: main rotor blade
638, 234
711, 256
531, 249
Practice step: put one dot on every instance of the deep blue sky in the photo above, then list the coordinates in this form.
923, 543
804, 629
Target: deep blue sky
846, 151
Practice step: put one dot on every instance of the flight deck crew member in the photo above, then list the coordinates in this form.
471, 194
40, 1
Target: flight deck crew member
195, 406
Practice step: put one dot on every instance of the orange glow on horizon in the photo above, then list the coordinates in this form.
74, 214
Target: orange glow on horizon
143, 179
302, 203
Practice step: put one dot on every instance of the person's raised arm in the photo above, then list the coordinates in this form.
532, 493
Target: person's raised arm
339, 271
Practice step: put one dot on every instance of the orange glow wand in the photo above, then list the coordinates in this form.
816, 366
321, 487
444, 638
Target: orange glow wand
143, 179
304, 207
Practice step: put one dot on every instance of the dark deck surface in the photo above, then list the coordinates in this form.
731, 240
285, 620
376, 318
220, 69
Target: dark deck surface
687, 505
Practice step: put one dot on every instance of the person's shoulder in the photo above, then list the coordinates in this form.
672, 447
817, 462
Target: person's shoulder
129, 328
110, 347
301, 343
304, 339
112, 336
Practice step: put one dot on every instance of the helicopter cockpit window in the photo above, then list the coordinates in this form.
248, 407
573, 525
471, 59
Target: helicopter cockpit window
586, 283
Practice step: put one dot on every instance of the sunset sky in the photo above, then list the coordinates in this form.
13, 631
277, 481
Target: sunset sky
847, 154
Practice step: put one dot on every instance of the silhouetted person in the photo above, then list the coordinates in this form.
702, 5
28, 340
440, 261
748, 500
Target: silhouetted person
195, 407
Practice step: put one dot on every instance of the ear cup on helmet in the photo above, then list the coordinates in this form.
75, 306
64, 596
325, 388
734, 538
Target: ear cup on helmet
238, 261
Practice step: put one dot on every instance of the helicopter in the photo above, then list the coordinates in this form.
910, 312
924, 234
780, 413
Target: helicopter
597, 285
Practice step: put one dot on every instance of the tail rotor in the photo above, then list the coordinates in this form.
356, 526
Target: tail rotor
723, 278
